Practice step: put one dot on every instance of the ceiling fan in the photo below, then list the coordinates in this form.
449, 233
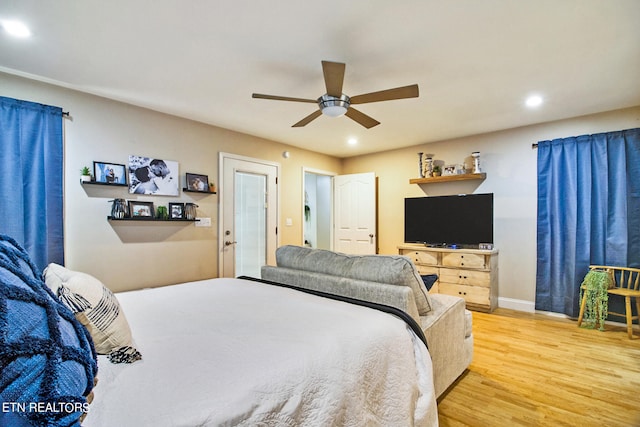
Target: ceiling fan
334, 103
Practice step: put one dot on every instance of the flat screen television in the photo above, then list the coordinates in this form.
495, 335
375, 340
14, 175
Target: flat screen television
462, 220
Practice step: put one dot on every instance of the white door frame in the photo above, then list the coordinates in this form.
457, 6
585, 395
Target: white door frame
317, 172
221, 200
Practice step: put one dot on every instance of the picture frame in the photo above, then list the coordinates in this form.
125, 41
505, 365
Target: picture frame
110, 173
449, 170
155, 176
141, 210
176, 210
197, 182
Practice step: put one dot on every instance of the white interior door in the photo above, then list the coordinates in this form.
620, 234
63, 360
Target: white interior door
355, 213
249, 215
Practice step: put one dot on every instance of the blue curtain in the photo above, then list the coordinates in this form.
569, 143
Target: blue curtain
588, 213
31, 165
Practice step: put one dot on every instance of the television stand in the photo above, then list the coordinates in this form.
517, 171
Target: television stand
471, 274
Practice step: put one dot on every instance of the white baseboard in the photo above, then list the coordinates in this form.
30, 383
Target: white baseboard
530, 307
517, 304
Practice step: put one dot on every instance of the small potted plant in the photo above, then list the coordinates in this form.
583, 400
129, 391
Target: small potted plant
436, 171
212, 187
85, 174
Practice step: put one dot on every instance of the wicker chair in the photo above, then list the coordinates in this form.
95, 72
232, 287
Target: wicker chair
626, 283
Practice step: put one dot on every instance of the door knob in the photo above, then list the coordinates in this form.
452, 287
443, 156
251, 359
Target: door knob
229, 243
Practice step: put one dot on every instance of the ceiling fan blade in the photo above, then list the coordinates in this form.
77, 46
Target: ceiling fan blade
410, 91
361, 118
333, 77
308, 119
283, 98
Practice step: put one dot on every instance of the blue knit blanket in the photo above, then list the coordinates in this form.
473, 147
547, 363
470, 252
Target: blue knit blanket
47, 360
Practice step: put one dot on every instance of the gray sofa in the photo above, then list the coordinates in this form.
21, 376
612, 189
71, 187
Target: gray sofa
391, 280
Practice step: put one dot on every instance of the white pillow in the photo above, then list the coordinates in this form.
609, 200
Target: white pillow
94, 305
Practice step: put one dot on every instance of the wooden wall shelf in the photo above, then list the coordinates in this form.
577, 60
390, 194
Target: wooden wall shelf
449, 178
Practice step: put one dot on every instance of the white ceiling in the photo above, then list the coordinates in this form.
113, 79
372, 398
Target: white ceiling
475, 61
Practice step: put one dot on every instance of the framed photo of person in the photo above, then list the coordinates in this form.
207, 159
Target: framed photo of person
176, 210
197, 182
141, 210
110, 173
148, 175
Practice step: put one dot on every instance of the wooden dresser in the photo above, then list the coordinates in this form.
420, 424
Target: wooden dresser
468, 273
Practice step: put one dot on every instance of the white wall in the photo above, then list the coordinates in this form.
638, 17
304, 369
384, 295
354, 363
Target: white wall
510, 164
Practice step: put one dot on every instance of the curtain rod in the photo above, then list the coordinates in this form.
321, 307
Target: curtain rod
65, 113
534, 145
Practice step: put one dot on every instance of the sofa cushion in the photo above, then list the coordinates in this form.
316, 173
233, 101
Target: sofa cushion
47, 360
390, 269
97, 308
400, 297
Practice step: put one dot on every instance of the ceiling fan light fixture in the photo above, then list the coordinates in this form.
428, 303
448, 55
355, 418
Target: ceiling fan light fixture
334, 111
333, 106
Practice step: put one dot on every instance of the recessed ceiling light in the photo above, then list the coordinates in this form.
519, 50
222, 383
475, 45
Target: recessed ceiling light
352, 141
534, 101
16, 29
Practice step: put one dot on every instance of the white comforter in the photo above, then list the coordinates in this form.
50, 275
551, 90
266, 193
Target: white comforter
236, 352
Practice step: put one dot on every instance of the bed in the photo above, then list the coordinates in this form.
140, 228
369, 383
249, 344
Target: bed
215, 352
241, 352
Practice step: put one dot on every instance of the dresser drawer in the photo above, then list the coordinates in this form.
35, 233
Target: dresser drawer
471, 294
425, 269
420, 257
467, 260
465, 277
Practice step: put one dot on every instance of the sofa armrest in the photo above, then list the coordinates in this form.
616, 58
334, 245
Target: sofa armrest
450, 347
400, 297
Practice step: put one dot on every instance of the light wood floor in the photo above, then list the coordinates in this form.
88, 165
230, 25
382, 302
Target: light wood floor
539, 370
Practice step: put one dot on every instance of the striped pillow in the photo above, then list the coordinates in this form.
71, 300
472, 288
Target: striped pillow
97, 308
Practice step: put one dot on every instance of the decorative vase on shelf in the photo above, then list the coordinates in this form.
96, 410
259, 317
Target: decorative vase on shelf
190, 210
420, 165
428, 167
119, 209
476, 162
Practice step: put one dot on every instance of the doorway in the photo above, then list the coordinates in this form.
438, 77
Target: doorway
248, 203
339, 211
318, 209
